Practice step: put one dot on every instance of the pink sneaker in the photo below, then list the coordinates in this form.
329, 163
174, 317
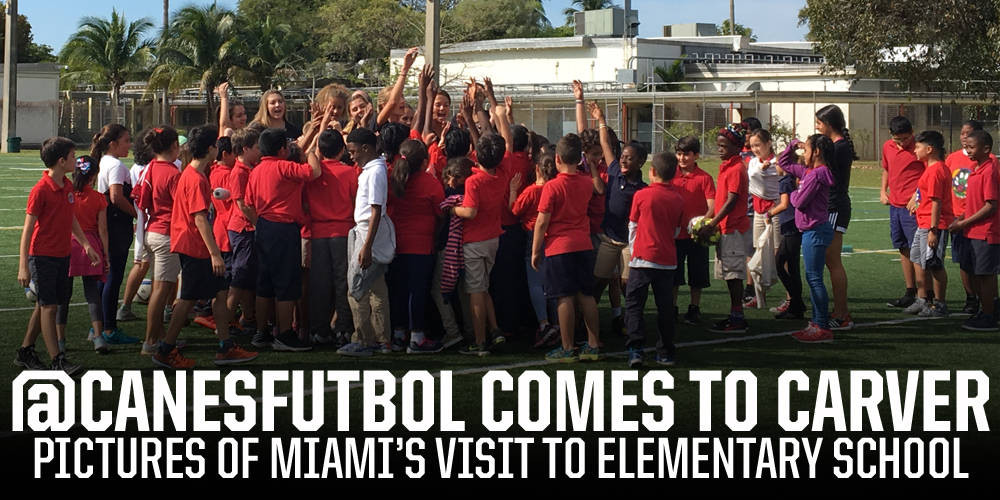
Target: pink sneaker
813, 334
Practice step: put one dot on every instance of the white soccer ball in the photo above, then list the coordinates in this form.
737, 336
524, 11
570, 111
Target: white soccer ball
145, 290
31, 293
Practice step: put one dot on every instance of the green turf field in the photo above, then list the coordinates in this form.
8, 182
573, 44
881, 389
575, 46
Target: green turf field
879, 342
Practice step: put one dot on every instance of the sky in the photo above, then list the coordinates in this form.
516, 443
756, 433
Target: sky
52, 21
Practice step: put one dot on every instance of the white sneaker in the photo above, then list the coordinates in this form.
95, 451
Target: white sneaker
101, 345
917, 306
125, 314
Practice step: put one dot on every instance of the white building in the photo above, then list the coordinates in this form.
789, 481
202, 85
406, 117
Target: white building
37, 102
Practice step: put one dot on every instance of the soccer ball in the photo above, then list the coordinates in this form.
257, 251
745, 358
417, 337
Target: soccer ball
31, 293
696, 224
145, 289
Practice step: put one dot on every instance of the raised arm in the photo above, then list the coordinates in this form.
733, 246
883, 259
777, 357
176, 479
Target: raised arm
467, 113
499, 118
223, 91
602, 125
581, 115
396, 95
788, 160
426, 75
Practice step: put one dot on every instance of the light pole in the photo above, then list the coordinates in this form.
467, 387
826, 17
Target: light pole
432, 38
9, 120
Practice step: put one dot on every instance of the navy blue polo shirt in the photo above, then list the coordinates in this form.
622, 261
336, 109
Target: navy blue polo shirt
618, 202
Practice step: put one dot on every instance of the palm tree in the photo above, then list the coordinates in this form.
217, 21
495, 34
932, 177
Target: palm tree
200, 46
109, 50
269, 52
584, 5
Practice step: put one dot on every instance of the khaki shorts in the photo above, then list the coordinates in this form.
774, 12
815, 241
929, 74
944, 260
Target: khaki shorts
166, 265
731, 256
479, 259
612, 258
141, 253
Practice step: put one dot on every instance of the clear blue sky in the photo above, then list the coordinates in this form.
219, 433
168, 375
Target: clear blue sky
52, 21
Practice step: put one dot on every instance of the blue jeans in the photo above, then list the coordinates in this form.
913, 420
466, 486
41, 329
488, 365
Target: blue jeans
814, 243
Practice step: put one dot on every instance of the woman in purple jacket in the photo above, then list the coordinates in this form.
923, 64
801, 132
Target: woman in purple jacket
811, 217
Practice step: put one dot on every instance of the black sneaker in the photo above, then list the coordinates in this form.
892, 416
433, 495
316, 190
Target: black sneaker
981, 323
61, 363
903, 302
971, 305
28, 359
693, 316
730, 325
262, 339
790, 314
341, 339
289, 341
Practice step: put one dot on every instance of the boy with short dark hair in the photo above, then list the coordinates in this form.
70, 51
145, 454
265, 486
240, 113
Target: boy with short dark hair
243, 276
564, 230
655, 221
961, 166
901, 170
981, 225
44, 252
697, 189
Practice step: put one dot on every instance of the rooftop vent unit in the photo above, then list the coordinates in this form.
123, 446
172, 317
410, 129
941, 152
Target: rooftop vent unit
604, 22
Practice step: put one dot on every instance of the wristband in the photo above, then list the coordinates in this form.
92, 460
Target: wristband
603, 125
579, 101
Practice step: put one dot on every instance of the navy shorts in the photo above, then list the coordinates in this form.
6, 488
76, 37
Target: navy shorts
243, 260
961, 253
198, 282
902, 226
567, 274
51, 277
696, 256
279, 260
986, 257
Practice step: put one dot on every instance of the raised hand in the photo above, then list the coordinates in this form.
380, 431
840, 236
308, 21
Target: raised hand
578, 90
595, 111
410, 57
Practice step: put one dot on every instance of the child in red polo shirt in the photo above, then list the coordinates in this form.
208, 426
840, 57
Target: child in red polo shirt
934, 213
900, 173
981, 225
697, 188
568, 269
331, 217
731, 218
44, 252
481, 208
274, 197
219, 217
203, 269
243, 259
960, 167
656, 219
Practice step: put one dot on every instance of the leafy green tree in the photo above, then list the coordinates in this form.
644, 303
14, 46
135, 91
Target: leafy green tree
201, 46
473, 20
27, 50
585, 5
724, 29
360, 33
269, 53
107, 50
298, 15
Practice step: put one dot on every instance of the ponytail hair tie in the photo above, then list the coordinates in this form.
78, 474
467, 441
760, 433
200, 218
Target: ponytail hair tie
83, 165
403, 157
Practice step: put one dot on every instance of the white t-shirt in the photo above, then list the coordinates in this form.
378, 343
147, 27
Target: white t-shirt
373, 189
112, 172
135, 173
764, 182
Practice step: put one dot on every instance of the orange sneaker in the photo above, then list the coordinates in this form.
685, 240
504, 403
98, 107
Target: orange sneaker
205, 321
234, 355
173, 361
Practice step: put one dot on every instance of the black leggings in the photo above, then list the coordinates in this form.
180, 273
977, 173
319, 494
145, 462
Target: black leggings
91, 291
120, 237
788, 269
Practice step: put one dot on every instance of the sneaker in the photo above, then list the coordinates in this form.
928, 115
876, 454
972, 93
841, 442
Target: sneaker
262, 339
61, 363
693, 316
125, 314
474, 349
27, 358
289, 341
148, 349
323, 337
356, 350
118, 337
937, 309
618, 325
385, 348
789, 314
918, 305
981, 323
101, 345
450, 340
398, 344
840, 324
730, 325
205, 321
202, 308
813, 334
588, 353
546, 336
496, 337
560, 355
663, 359
91, 334
971, 306
341, 339
634, 358
750, 303
234, 355
782, 307
904, 301
428, 346
174, 360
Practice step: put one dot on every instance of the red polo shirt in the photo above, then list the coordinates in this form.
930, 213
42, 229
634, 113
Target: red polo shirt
904, 172
658, 212
565, 198
984, 184
733, 179
516, 163
237, 186
331, 200
696, 188
275, 189
935, 183
416, 213
526, 207
162, 176
193, 195
87, 206
484, 192
53, 207
223, 208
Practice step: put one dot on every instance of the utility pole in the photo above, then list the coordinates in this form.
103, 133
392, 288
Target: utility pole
164, 108
9, 120
432, 38
732, 17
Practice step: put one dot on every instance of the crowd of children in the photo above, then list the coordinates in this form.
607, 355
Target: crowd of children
344, 231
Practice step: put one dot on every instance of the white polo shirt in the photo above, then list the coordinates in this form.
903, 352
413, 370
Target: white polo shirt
373, 189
